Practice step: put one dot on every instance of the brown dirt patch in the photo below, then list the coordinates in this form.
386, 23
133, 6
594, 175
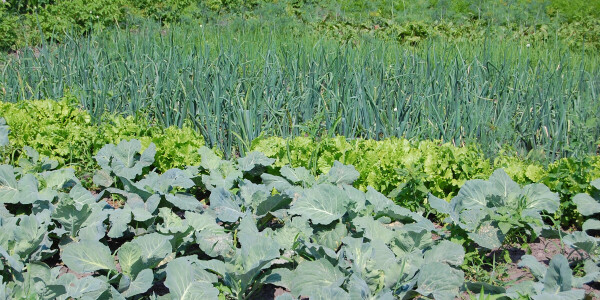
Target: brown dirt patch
544, 249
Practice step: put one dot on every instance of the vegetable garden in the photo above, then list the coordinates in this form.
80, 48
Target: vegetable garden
230, 228
338, 149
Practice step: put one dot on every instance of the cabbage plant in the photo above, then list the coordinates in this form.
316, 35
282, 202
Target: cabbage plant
489, 210
226, 229
589, 205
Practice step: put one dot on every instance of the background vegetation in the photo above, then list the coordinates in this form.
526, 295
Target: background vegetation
25, 22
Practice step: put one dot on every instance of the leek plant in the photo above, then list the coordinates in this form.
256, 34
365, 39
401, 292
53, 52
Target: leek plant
235, 86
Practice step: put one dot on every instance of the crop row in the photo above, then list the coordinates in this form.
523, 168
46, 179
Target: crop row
403, 170
571, 22
501, 93
225, 229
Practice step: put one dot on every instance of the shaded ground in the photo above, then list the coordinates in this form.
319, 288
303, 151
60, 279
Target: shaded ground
269, 292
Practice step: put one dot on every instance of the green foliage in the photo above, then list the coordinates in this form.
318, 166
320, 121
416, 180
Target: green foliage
55, 20
588, 205
63, 132
575, 9
569, 177
490, 211
386, 164
8, 27
415, 21
27, 22
407, 171
55, 129
583, 32
165, 11
315, 86
80, 14
176, 147
125, 159
555, 281
403, 170
316, 237
360, 251
233, 5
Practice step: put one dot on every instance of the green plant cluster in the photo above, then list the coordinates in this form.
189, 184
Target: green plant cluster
226, 229
407, 171
31, 22
580, 34
63, 132
415, 21
8, 26
490, 214
427, 166
233, 86
404, 170
589, 206
24, 22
